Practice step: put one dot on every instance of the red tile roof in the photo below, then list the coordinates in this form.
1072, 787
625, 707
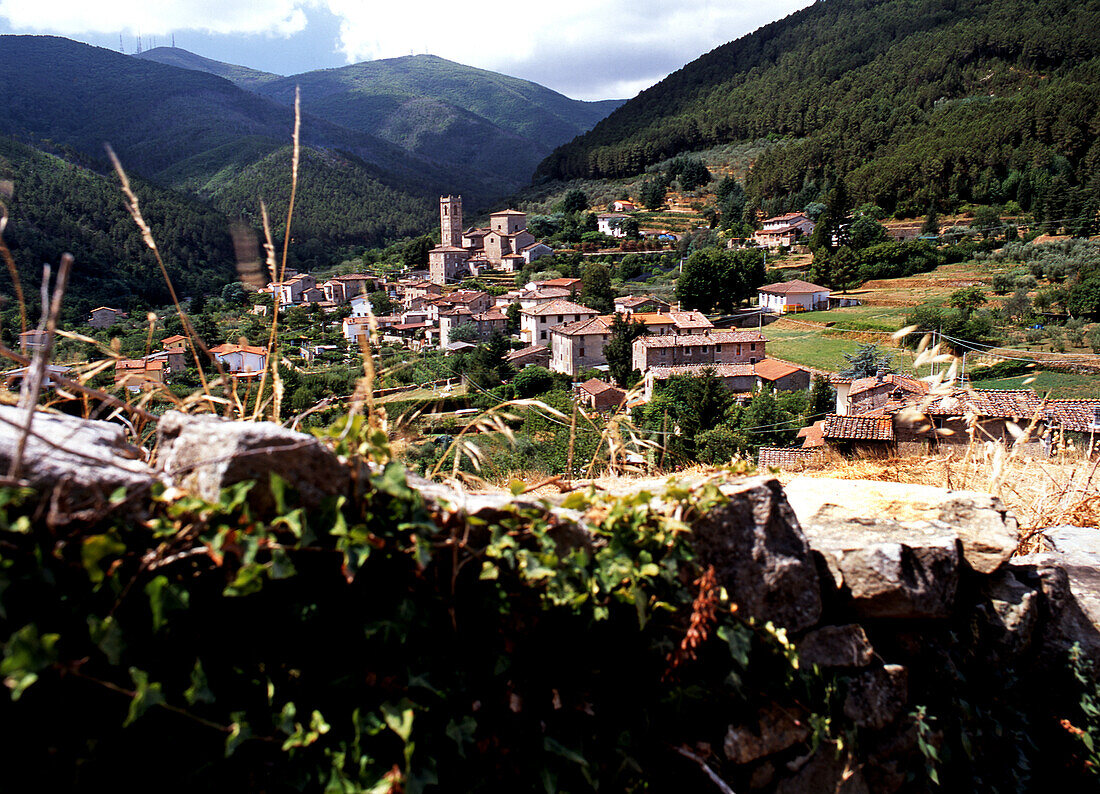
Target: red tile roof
719, 370
858, 428
770, 369
889, 383
795, 286
559, 307
785, 457
715, 337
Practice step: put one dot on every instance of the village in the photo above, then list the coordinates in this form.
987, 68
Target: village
545, 325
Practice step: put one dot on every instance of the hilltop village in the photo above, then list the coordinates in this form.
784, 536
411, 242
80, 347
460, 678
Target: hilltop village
614, 352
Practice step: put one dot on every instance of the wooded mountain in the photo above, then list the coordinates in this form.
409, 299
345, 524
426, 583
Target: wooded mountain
496, 126
913, 102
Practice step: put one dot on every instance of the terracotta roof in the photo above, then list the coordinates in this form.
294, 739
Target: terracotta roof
447, 249
558, 307
770, 369
171, 340
224, 349
559, 282
782, 457
787, 217
692, 319
138, 364
716, 338
991, 403
534, 245
814, 435
408, 326
585, 327
777, 231
506, 212
1074, 415
720, 370
476, 233
596, 387
493, 313
465, 296
548, 293
534, 351
108, 308
353, 277
638, 300
795, 286
859, 428
889, 382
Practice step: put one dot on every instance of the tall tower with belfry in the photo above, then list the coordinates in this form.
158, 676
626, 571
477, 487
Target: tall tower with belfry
450, 221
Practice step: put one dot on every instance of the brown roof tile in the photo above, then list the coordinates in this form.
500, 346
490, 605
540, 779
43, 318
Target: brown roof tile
859, 428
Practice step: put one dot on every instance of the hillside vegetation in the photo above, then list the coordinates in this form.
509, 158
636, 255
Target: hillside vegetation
914, 102
57, 206
239, 75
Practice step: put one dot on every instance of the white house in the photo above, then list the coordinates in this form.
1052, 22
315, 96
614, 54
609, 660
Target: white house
792, 296
611, 223
784, 230
241, 358
535, 323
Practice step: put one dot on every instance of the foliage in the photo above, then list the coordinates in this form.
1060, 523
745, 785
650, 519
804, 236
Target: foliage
888, 97
574, 201
867, 360
719, 279
532, 381
596, 288
619, 349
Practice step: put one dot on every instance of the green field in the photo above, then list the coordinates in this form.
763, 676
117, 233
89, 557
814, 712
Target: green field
808, 347
1059, 385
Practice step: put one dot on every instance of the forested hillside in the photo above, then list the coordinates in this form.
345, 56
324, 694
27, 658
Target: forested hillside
239, 75
914, 102
56, 207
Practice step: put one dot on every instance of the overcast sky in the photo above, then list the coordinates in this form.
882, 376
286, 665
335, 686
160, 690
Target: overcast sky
586, 49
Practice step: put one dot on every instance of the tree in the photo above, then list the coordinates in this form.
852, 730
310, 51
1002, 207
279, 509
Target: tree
865, 231
414, 254
619, 349
207, 330
234, 295
574, 200
719, 279
596, 288
512, 314
532, 381
967, 299
868, 360
931, 223
197, 304
463, 332
380, 302
986, 220
822, 398
652, 192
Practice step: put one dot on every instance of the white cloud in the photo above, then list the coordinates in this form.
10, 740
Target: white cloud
584, 48
71, 17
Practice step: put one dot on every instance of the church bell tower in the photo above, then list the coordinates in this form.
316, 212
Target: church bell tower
450, 221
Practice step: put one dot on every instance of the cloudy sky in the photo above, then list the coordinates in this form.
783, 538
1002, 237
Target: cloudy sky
586, 49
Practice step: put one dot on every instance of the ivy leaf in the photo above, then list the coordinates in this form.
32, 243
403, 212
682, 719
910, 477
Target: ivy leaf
517, 487
146, 695
740, 643
199, 691
249, 579
278, 493
575, 501
552, 745
281, 566
94, 549
399, 718
118, 496
462, 733
107, 635
164, 597
239, 733
25, 655
394, 482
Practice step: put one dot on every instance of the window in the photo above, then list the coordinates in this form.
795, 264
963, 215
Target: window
687, 351
702, 348
560, 318
542, 334
717, 348
582, 352
752, 347
752, 360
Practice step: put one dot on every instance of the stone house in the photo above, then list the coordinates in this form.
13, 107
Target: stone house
717, 347
571, 284
863, 395
611, 223
174, 358
104, 317
528, 299
138, 374
419, 289
354, 327
486, 323
792, 296
866, 434
738, 378
598, 395
32, 340
290, 291
578, 346
781, 375
448, 264
536, 322
623, 205
462, 252
341, 289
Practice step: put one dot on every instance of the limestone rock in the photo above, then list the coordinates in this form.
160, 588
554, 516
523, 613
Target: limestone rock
986, 530
877, 697
1068, 576
760, 554
836, 646
1012, 610
75, 462
205, 453
890, 571
775, 730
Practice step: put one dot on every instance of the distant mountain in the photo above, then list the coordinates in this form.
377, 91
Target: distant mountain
240, 75
913, 102
496, 126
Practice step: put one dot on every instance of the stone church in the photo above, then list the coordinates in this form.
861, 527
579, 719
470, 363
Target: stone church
505, 244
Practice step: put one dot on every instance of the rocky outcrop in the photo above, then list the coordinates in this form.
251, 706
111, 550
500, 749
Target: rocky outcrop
85, 467
206, 453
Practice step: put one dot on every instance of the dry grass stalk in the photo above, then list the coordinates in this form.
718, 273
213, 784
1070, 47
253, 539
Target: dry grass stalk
134, 208
32, 386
